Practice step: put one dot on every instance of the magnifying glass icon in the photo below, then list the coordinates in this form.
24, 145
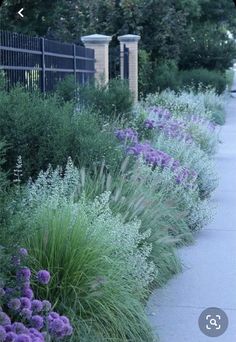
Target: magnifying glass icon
213, 322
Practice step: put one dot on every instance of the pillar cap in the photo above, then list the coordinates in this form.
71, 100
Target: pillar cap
129, 38
96, 39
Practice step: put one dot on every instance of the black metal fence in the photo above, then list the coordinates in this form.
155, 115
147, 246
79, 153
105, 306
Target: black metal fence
39, 63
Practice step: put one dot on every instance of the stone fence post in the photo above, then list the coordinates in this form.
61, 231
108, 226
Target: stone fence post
131, 42
99, 43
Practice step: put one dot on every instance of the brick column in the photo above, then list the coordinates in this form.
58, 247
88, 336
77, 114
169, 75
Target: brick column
131, 42
99, 43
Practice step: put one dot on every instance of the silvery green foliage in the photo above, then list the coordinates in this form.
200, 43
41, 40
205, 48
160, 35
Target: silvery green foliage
201, 214
129, 244
202, 103
183, 104
53, 190
197, 212
53, 186
193, 158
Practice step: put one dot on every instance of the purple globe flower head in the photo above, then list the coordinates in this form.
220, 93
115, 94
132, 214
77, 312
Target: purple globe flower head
10, 337
43, 277
26, 313
23, 252
67, 330
25, 303
4, 319
65, 319
19, 328
37, 336
24, 274
8, 327
37, 305
34, 332
14, 304
52, 315
23, 338
47, 306
37, 322
28, 293
56, 326
3, 334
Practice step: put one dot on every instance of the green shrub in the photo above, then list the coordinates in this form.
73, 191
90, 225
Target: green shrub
165, 75
144, 72
66, 89
204, 78
112, 101
47, 131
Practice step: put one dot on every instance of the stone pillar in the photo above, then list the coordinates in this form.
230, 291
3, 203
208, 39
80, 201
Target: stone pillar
99, 43
131, 42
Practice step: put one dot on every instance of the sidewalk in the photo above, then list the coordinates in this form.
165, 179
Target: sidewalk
209, 276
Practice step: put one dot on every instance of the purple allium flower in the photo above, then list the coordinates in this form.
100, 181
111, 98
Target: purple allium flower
23, 252
37, 305
53, 315
26, 313
24, 274
4, 319
150, 124
43, 277
8, 327
56, 325
127, 134
19, 328
67, 330
37, 322
46, 305
28, 293
10, 337
14, 304
25, 303
2, 292
3, 334
65, 319
23, 338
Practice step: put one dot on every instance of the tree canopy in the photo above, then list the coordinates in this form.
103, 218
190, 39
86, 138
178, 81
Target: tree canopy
189, 31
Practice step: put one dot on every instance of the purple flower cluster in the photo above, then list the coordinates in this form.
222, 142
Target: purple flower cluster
161, 119
175, 129
155, 157
151, 155
203, 122
159, 113
24, 319
127, 134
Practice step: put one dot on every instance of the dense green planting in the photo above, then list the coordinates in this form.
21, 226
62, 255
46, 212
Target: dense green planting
162, 75
129, 189
47, 131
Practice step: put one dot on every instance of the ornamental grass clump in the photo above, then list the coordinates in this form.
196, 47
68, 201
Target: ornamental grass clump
100, 265
24, 318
